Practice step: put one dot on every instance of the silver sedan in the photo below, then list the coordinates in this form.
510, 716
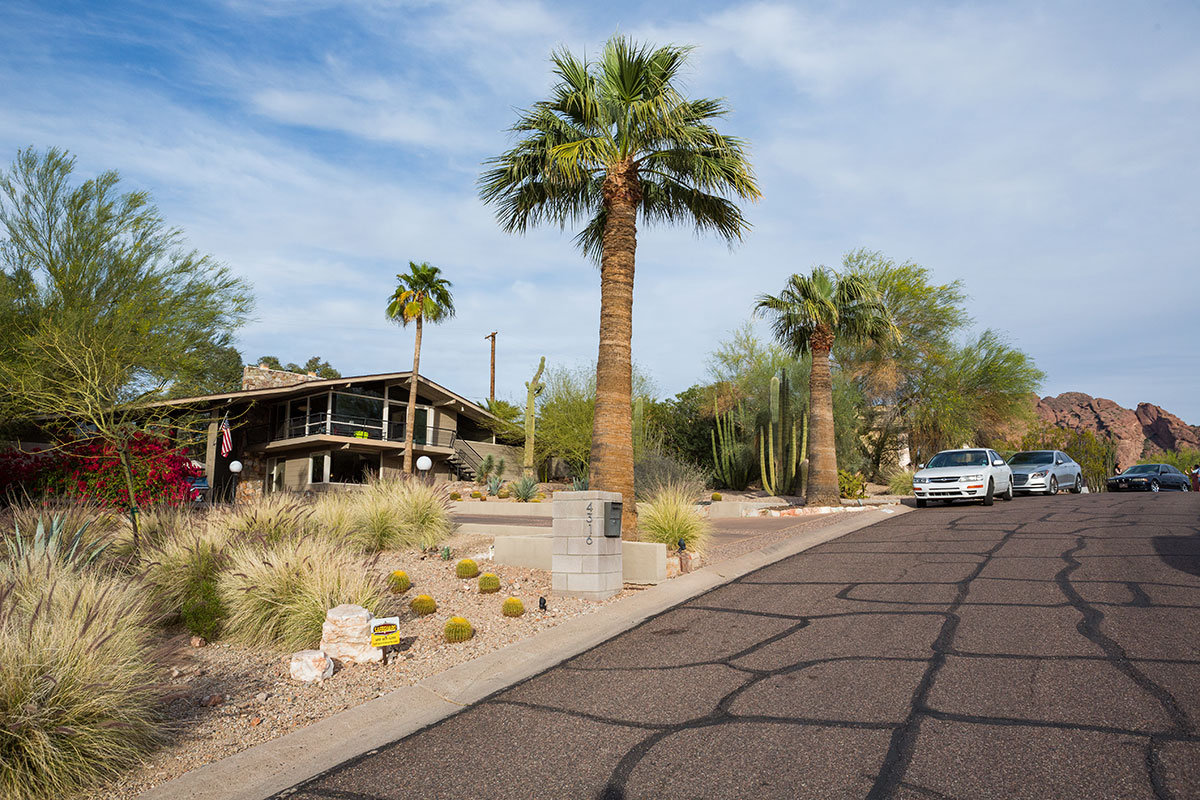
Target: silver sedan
1045, 471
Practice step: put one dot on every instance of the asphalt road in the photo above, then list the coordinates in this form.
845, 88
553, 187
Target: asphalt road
1043, 648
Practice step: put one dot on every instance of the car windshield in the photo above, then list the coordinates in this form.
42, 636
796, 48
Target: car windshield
1033, 457
1143, 469
959, 458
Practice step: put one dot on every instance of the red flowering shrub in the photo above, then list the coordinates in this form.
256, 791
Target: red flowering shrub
91, 469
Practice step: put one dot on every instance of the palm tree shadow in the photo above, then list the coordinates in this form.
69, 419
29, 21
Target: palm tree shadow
1179, 552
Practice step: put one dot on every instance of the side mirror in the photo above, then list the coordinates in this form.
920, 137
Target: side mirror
999, 462
920, 466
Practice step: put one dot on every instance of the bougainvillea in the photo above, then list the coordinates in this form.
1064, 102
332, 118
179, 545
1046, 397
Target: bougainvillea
91, 469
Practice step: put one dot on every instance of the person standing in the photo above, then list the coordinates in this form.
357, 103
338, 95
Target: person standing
1196, 477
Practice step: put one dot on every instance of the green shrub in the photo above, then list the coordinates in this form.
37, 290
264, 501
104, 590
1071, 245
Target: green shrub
466, 568
182, 576
278, 597
850, 485
399, 582
672, 515
78, 701
512, 607
423, 605
523, 489
489, 583
457, 630
901, 482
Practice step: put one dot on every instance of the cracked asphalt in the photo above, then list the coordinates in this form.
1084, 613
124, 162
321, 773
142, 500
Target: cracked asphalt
1043, 648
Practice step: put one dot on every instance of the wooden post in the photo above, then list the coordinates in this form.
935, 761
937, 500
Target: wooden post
492, 384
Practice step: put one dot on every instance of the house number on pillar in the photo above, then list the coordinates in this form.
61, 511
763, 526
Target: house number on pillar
589, 522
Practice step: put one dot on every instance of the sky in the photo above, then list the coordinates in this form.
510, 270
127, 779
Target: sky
1045, 154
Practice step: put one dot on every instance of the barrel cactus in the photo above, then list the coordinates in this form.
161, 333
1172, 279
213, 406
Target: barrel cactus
466, 568
423, 604
398, 582
488, 583
458, 630
513, 607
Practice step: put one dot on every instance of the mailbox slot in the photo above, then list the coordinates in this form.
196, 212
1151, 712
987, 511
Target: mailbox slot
612, 520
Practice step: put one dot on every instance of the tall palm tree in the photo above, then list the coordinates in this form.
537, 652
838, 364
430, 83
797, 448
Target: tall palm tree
617, 141
421, 295
810, 314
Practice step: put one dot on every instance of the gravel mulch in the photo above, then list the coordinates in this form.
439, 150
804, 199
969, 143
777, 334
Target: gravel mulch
224, 698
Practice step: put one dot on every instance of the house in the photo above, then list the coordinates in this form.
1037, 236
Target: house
301, 433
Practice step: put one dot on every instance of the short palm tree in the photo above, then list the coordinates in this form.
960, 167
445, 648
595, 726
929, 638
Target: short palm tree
810, 314
617, 141
421, 295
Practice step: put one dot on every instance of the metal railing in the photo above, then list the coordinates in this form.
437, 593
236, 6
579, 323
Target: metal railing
352, 427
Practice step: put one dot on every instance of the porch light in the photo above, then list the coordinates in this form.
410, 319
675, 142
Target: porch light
235, 467
424, 463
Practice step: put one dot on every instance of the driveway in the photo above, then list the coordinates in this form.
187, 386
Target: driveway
1043, 648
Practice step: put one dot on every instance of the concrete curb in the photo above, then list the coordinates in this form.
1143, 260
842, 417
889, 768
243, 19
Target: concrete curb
279, 764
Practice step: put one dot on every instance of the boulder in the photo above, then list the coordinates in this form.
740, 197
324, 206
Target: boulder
311, 665
346, 636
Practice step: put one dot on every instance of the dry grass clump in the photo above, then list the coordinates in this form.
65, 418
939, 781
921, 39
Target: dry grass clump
386, 514
278, 597
671, 516
901, 482
76, 679
183, 573
279, 517
156, 526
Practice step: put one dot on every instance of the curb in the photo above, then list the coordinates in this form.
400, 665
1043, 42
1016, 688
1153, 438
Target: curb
272, 767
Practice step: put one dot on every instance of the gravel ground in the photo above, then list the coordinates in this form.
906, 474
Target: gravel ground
223, 698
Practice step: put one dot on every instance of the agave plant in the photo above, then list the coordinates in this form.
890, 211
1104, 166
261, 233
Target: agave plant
56, 542
494, 483
523, 489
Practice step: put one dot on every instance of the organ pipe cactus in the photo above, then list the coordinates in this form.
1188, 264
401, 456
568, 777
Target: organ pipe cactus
729, 466
780, 452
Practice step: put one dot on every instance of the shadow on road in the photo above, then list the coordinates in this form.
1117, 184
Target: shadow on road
1180, 553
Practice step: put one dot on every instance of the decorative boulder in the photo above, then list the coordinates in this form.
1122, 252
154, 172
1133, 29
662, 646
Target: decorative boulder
346, 636
311, 665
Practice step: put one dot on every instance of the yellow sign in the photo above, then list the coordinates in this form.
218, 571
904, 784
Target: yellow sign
385, 631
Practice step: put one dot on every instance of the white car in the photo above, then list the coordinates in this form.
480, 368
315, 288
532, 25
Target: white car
969, 474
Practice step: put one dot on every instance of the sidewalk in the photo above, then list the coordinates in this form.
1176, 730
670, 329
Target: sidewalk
284, 762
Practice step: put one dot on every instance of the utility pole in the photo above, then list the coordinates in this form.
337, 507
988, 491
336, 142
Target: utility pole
492, 385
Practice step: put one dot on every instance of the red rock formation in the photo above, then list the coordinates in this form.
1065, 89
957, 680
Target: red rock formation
1145, 431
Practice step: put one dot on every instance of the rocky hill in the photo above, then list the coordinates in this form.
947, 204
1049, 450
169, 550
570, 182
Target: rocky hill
1140, 432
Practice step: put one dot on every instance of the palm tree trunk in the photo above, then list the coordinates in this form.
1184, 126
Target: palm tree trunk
410, 413
611, 459
823, 479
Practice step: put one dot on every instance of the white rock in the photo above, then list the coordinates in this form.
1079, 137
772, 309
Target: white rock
346, 636
311, 665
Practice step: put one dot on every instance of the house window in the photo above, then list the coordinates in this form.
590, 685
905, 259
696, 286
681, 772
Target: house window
348, 467
316, 470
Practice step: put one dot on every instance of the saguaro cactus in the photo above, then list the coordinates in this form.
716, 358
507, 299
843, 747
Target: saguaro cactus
532, 389
779, 450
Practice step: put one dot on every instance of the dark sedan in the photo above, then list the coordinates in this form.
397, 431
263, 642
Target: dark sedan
1149, 478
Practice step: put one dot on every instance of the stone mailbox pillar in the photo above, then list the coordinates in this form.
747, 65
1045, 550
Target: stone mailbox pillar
586, 559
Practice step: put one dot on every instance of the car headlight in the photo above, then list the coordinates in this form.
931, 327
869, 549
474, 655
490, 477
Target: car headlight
920, 480
971, 478
1040, 473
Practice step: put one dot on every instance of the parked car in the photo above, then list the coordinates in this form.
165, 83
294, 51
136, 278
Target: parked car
1045, 471
968, 474
1149, 478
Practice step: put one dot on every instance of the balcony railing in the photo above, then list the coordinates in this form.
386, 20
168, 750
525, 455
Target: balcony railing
370, 428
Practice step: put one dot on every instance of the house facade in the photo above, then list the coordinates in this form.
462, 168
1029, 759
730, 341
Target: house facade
300, 433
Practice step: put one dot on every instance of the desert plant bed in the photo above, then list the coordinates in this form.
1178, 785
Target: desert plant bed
225, 697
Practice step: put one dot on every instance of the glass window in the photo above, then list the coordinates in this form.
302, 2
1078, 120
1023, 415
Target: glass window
346, 467
358, 407
1032, 457
960, 458
317, 469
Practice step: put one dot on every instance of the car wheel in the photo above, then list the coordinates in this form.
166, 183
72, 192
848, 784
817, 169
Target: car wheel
1154, 486
988, 498
1008, 493
1053, 485
921, 502
1078, 487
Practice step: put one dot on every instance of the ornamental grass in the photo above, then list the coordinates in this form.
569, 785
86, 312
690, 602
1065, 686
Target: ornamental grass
77, 678
671, 516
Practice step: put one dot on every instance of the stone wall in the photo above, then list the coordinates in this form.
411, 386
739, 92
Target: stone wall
262, 377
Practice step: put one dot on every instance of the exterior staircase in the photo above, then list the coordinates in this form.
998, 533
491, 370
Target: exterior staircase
465, 460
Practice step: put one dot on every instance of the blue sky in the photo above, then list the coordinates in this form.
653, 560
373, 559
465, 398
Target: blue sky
1045, 154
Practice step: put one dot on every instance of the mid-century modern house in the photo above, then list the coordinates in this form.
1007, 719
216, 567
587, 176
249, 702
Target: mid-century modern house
301, 433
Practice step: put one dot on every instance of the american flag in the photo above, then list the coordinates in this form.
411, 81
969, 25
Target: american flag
226, 438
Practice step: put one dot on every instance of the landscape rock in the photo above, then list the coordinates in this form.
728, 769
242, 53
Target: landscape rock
311, 665
346, 635
212, 700
198, 641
